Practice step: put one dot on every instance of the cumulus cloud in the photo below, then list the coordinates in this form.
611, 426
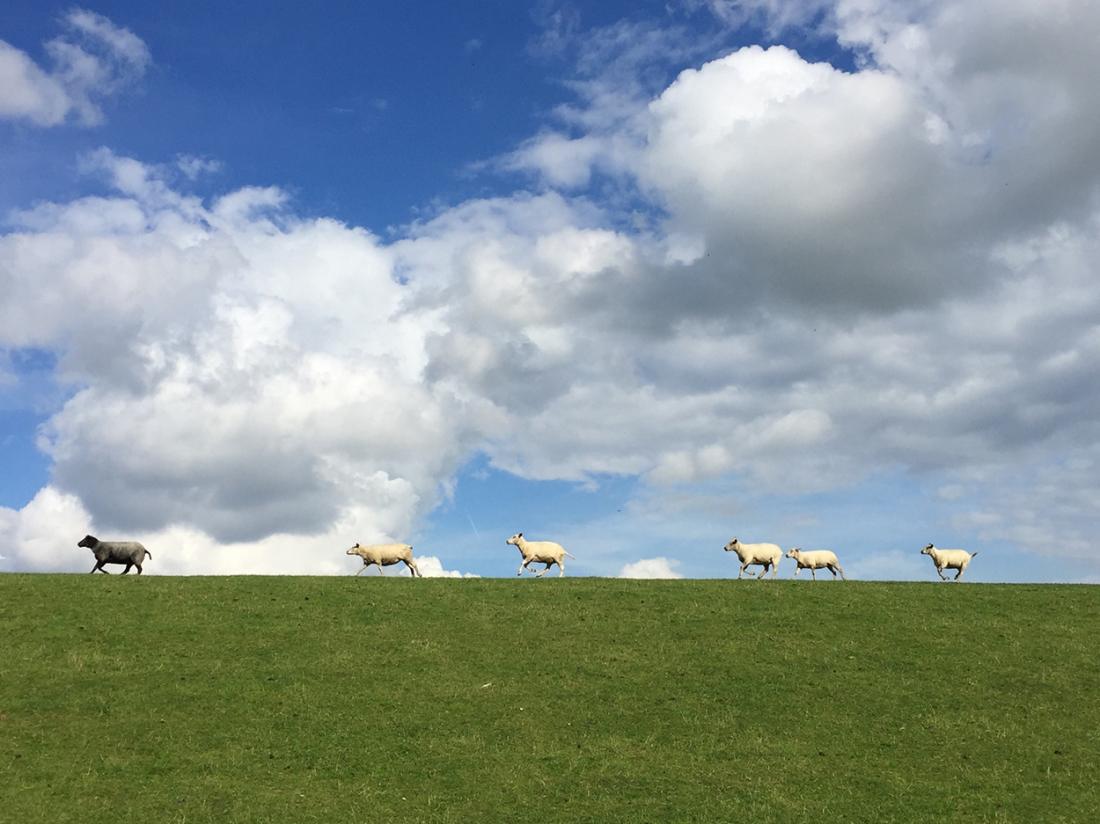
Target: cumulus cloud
431, 567
837, 273
617, 69
789, 219
93, 60
236, 370
918, 161
883, 267
651, 568
42, 536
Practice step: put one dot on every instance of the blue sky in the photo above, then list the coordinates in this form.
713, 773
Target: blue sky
320, 104
634, 277
370, 115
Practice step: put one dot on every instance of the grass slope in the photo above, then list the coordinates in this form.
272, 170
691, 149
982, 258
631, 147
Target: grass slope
322, 699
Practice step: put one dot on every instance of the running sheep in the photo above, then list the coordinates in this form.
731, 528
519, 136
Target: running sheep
540, 552
815, 560
385, 555
130, 553
765, 555
949, 559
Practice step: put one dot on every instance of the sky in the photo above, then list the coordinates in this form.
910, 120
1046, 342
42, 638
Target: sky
633, 277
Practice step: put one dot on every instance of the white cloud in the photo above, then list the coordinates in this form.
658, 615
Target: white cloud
431, 567
94, 60
122, 44
651, 568
777, 15
565, 162
739, 175
614, 81
42, 536
28, 92
193, 167
240, 373
852, 272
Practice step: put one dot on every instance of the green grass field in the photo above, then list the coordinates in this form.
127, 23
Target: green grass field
159, 699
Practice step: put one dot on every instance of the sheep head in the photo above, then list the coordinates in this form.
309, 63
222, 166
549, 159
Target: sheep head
353, 551
88, 541
515, 539
732, 545
927, 550
794, 553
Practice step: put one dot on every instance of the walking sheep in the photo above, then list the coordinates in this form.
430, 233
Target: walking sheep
765, 555
385, 555
130, 553
541, 552
949, 559
814, 561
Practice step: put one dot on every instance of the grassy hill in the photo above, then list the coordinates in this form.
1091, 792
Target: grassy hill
161, 699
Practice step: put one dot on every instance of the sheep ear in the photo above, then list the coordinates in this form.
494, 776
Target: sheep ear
519, 534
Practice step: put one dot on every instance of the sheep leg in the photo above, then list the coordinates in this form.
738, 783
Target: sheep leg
763, 572
939, 570
742, 572
128, 565
362, 569
413, 569
813, 572
957, 577
381, 571
561, 569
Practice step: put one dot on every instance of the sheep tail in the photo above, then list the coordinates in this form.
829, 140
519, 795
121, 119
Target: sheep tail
973, 554
574, 557
147, 552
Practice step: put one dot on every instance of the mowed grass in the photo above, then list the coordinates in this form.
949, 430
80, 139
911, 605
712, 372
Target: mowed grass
160, 699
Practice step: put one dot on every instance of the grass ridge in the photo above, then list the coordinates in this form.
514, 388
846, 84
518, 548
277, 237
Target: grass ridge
342, 699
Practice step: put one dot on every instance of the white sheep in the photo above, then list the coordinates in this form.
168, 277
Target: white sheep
541, 552
815, 560
385, 555
949, 559
765, 555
